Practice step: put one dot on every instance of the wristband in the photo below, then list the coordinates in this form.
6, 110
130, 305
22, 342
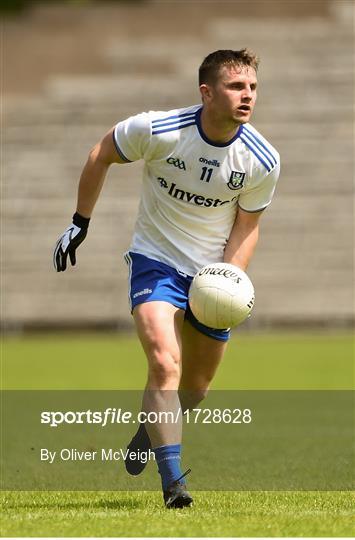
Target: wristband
80, 221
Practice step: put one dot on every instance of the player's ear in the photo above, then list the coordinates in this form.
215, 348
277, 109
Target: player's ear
206, 92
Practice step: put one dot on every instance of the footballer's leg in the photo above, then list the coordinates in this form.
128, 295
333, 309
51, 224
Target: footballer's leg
159, 327
201, 356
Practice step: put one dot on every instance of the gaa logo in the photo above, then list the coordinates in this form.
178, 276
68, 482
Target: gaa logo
236, 180
176, 162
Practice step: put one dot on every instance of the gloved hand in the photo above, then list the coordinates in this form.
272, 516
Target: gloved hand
69, 241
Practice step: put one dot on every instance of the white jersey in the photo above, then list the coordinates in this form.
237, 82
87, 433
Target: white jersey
193, 186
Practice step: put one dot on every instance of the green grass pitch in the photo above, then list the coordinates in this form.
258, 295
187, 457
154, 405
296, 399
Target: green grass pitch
115, 362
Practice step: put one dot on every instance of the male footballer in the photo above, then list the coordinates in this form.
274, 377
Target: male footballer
207, 178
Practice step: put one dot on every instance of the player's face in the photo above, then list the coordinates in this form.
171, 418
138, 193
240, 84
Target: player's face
233, 96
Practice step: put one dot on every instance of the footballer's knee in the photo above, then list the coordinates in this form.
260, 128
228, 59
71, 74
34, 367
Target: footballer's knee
164, 370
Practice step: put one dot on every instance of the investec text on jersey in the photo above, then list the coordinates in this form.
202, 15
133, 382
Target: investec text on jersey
183, 195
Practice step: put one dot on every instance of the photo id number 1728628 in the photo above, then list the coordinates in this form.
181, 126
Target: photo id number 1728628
218, 416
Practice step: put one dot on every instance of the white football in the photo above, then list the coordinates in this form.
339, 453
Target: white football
221, 295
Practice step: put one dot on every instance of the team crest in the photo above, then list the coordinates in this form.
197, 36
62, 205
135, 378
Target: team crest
236, 180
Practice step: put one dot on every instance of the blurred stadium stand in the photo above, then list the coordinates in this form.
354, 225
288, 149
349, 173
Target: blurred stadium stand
72, 71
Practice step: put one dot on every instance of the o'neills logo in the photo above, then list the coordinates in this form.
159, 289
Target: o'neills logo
213, 162
220, 272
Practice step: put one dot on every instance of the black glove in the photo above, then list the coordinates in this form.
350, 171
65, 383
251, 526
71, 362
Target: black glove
69, 241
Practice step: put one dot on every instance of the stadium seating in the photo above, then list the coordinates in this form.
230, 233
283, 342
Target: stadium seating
302, 270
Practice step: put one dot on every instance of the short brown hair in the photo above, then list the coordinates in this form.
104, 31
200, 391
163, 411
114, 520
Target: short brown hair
211, 65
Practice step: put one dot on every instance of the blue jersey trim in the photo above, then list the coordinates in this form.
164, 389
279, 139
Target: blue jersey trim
179, 126
206, 139
259, 143
245, 137
173, 122
119, 151
176, 116
255, 152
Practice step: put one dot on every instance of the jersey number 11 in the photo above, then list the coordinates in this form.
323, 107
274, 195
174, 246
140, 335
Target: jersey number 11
206, 174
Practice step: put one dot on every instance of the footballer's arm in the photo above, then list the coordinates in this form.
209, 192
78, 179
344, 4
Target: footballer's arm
102, 155
91, 181
242, 239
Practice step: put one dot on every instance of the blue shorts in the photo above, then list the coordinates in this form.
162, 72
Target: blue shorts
151, 280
